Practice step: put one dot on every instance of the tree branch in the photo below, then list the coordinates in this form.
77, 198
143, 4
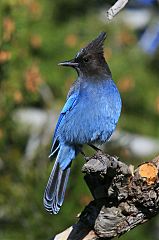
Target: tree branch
123, 198
116, 8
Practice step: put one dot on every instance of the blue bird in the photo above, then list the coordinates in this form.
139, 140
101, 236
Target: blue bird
89, 116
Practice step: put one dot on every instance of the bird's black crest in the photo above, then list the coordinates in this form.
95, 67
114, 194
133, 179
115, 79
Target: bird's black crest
97, 45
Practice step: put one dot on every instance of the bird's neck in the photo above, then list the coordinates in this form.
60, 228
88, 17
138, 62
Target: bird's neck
100, 72
95, 78
93, 88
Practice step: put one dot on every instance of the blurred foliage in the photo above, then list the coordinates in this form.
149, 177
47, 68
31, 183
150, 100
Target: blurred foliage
35, 36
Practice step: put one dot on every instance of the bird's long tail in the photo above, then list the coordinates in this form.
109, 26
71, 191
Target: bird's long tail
56, 186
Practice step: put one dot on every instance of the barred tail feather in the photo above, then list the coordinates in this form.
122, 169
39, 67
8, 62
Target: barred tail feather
55, 189
56, 186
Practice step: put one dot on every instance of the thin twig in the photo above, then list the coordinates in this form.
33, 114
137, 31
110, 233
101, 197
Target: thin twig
116, 8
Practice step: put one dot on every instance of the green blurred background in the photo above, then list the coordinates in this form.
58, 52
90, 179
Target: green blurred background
34, 37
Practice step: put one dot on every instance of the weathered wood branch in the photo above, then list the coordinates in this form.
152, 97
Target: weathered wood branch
123, 198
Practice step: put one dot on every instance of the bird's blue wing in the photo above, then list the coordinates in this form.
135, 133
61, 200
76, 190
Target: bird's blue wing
70, 103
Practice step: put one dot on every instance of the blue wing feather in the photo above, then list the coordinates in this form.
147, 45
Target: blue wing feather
70, 103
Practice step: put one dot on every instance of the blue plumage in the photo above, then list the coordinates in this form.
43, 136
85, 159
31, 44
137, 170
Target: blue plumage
89, 115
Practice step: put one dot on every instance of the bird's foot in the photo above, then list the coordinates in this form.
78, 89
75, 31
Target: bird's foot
85, 157
94, 147
81, 151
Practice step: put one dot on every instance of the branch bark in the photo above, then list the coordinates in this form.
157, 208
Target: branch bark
123, 198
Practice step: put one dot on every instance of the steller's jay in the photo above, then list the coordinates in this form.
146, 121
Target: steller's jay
89, 116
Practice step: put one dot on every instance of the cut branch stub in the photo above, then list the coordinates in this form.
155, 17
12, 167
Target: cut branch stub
148, 172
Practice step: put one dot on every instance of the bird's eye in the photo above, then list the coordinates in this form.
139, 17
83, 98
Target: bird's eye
86, 60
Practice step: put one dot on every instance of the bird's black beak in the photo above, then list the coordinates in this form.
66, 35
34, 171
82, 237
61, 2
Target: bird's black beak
70, 63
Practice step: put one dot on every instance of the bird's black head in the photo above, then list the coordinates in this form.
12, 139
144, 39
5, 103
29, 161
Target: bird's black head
90, 60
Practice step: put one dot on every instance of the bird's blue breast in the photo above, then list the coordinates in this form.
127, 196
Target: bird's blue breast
95, 115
